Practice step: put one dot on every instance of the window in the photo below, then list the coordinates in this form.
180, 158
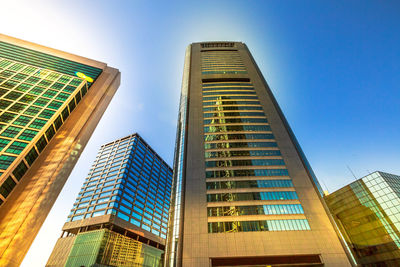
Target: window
7, 186
46, 114
16, 147
3, 143
27, 135
7, 117
37, 123
6, 161
31, 156
32, 111
11, 131
22, 120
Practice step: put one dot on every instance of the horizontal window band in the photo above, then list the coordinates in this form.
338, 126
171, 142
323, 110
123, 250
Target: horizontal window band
233, 114
241, 153
252, 226
254, 162
230, 92
248, 172
233, 97
234, 120
224, 72
218, 84
240, 145
230, 107
279, 195
276, 260
236, 128
231, 102
216, 80
246, 168
249, 184
255, 210
238, 136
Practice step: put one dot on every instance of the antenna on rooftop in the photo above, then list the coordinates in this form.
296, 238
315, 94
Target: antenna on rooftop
355, 178
326, 192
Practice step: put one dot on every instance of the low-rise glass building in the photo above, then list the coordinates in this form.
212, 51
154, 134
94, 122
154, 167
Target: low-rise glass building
367, 213
121, 212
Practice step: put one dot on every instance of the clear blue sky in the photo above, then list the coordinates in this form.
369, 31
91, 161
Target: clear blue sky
334, 67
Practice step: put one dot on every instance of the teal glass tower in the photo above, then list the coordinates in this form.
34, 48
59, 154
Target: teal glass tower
122, 209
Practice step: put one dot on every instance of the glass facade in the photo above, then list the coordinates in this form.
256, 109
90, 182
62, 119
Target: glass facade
368, 214
107, 248
222, 62
46, 61
129, 180
250, 132
34, 103
178, 194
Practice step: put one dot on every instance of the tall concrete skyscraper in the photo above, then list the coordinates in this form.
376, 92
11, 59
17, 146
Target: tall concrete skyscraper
50, 103
120, 216
243, 192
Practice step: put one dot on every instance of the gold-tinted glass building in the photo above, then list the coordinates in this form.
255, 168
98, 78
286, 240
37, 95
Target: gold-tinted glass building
243, 192
367, 213
50, 103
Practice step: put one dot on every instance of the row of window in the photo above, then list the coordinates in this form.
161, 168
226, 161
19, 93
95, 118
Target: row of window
142, 225
238, 173
239, 145
222, 108
41, 77
253, 226
238, 136
206, 85
247, 162
240, 97
249, 184
233, 114
241, 153
226, 89
278, 195
223, 72
220, 103
235, 120
31, 156
22, 120
134, 162
140, 149
255, 210
229, 92
236, 128
154, 208
37, 86
36, 58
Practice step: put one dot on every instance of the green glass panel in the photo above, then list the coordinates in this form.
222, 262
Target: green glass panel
27, 135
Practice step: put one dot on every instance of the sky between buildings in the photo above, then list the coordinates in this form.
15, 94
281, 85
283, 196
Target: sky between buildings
334, 67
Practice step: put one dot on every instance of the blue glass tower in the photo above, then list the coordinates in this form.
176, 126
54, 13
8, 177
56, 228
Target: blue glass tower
125, 199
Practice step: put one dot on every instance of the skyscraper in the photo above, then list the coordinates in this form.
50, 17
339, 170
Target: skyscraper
50, 103
120, 216
243, 192
367, 212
